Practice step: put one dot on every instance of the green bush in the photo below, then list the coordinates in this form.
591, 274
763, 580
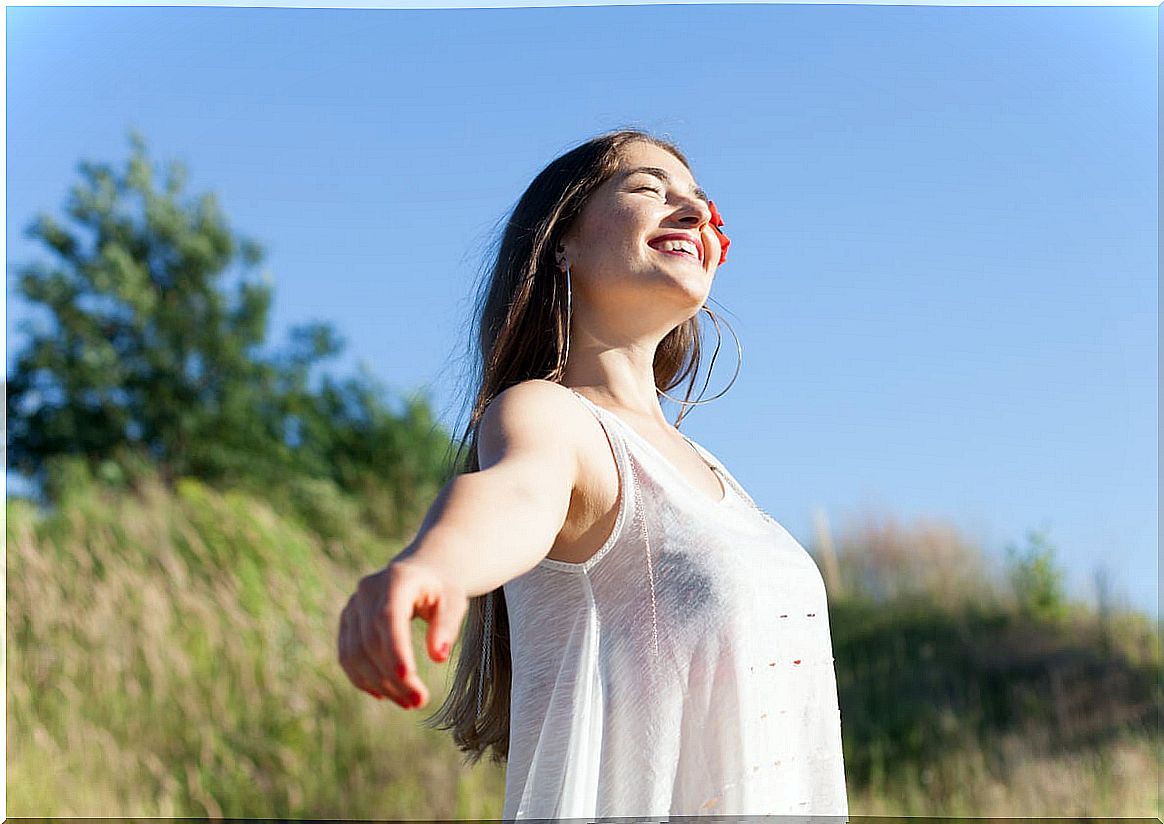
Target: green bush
1037, 582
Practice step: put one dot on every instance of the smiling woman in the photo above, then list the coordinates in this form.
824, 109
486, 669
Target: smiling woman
716, 221
642, 639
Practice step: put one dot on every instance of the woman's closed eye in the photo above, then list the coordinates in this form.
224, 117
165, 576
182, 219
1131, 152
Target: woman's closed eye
654, 189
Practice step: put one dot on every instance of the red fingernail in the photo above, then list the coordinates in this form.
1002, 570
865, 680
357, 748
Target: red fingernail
443, 650
401, 670
416, 699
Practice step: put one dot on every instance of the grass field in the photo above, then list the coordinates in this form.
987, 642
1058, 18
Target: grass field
174, 655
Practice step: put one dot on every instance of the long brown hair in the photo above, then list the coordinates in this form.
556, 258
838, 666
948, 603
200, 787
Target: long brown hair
521, 334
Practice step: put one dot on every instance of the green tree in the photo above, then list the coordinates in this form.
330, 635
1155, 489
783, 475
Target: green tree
1037, 582
149, 363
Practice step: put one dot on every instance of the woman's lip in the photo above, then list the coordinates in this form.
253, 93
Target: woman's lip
687, 255
679, 236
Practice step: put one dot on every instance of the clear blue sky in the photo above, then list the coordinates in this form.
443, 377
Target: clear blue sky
944, 220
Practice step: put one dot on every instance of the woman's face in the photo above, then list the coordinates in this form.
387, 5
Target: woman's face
618, 249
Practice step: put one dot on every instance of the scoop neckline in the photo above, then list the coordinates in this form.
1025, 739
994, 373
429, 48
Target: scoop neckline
674, 470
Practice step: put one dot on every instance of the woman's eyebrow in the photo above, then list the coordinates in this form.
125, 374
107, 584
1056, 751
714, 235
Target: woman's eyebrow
666, 178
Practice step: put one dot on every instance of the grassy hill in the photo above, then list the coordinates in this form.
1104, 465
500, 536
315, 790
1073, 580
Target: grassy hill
174, 655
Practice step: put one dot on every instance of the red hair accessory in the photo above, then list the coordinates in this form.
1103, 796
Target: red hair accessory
716, 222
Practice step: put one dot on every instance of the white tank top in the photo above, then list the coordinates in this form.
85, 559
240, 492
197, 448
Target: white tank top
684, 669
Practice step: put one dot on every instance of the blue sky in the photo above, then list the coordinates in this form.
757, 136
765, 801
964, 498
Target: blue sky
944, 220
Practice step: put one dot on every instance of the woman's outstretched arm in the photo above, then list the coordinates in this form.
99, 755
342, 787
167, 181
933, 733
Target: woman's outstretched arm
483, 529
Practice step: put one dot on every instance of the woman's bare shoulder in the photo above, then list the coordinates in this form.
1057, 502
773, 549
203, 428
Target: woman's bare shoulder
536, 414
538, 402
544, 412
547, 413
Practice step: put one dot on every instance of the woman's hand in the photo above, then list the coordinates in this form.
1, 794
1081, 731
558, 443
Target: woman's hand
375, 634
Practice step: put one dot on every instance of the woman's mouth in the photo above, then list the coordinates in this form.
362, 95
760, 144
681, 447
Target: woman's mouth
686, 255
677, 249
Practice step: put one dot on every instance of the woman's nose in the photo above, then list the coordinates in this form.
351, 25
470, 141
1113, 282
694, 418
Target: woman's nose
696, 210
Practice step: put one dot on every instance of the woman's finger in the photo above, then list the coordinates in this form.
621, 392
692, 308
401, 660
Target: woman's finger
355, 668
351, 655
446, 624
367, 664
393, 630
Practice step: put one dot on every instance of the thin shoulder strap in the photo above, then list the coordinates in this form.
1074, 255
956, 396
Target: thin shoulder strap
614, 425
613, 434
726, 473
593, 407
599, 413
629, 506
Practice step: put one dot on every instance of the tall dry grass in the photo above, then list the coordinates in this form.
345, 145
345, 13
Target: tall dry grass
173, 655
957, 699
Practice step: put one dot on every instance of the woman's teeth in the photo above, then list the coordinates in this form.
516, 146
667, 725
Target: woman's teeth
679, 247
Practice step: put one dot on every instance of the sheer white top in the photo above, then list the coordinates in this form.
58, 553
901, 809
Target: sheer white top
684, 669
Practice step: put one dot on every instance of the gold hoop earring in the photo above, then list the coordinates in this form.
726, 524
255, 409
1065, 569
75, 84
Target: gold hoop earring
719, 340
561, 369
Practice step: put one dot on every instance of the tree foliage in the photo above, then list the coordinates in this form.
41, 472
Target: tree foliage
1037, 581
150, 361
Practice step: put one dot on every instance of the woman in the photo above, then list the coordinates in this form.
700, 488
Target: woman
641, 638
